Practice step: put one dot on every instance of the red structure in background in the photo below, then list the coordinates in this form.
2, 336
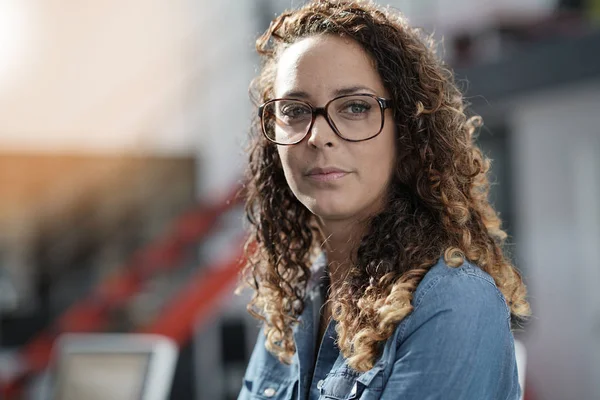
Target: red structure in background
196, 301
92, 313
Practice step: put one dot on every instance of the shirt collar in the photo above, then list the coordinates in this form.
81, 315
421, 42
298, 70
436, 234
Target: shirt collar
318, 272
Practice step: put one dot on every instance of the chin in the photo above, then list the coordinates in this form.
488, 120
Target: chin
327, 210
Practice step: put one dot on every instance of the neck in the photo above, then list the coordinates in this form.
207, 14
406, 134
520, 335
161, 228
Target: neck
340, 243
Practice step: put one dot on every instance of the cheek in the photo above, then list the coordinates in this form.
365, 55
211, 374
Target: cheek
379, 160
289, 163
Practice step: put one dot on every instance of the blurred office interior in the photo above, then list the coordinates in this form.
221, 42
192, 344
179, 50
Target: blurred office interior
122, 126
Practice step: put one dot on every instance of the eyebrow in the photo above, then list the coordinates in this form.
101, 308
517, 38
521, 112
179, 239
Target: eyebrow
337, 92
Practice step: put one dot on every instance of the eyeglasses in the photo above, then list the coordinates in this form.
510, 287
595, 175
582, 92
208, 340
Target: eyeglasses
354, 118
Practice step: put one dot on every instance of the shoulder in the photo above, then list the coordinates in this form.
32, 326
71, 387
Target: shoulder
462, 283
457, 341
465, 294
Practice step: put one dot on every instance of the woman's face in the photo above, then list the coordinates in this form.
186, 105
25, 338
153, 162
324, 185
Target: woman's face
317, 69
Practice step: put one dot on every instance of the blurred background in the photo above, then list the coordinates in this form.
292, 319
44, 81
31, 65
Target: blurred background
122, 125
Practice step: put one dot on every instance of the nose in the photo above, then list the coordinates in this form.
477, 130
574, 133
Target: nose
321, 133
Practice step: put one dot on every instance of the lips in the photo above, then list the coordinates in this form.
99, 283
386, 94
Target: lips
325, 171
326, 174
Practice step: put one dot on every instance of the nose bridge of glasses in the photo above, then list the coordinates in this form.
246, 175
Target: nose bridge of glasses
323, 112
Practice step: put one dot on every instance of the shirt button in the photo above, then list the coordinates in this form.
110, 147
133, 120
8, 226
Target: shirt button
269, 392
320, 384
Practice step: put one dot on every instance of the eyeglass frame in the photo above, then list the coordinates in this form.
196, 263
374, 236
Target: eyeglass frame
316, 111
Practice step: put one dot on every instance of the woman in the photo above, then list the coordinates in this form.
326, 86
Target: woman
376, 259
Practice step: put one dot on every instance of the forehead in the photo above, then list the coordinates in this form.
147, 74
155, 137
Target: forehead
318, 66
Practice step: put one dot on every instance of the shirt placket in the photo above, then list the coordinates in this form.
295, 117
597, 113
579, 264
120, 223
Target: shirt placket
328, 352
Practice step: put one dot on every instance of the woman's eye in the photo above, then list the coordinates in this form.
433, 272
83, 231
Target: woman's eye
294, 111
356, 108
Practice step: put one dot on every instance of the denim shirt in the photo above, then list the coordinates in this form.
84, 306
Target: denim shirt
456, 344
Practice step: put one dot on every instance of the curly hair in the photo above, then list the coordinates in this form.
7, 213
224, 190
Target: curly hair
437, 203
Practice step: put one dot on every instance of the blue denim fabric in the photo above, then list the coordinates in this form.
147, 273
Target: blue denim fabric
456, 344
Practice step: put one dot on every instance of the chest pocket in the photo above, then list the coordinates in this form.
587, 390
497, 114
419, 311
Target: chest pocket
266, 387
347, 384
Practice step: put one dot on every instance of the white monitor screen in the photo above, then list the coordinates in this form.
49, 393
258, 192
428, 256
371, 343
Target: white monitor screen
101, 376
